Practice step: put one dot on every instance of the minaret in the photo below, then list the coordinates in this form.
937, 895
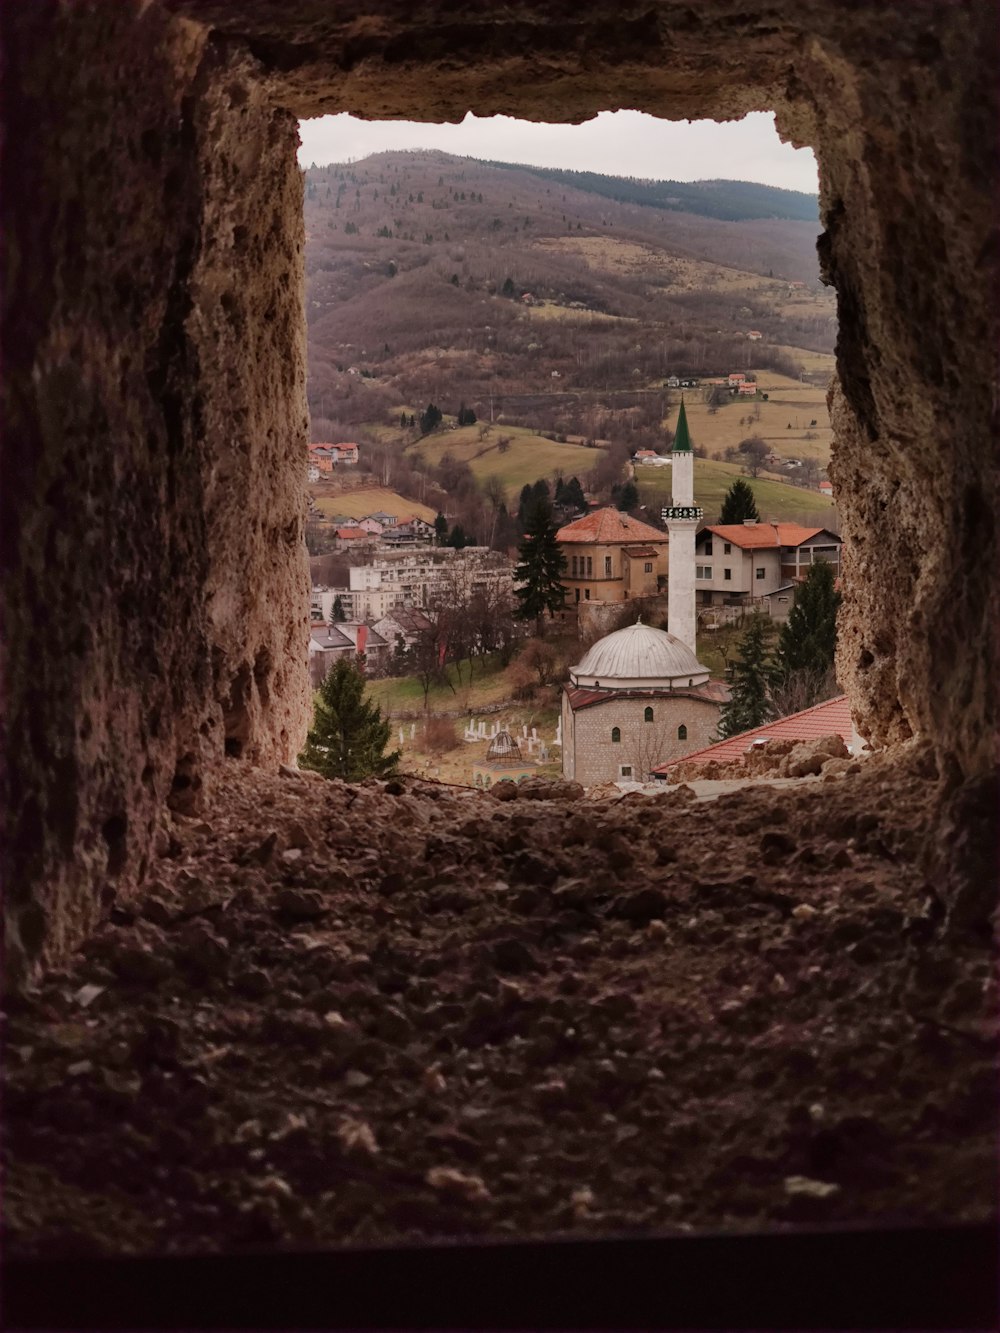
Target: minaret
682, 519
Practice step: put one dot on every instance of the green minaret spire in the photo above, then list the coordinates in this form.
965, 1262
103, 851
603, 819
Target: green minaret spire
682, 436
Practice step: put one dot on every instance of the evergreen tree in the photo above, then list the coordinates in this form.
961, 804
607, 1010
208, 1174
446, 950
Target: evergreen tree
440, 529
508, 287
339, 615
524, 505
430, 418
739, 503
457, 538
573, 496
349, 735
628, 496
541, 566
752, 677
809, 637
540, 491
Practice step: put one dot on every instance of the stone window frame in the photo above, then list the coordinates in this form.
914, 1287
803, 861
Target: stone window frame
616, 735
682, 732
647, 715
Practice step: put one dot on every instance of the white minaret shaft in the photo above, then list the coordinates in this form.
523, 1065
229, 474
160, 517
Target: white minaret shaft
682, 519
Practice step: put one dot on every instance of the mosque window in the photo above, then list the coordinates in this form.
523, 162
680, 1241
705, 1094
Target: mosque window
682, 733
607, 566
590, 565
616, 734
648, 715
648, 567
626, 770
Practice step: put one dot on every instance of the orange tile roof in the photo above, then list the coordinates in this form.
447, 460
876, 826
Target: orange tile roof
832, 718
762, 535
351, 534
608, 526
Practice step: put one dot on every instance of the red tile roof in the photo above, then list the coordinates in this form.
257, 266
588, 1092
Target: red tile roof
641, 552
832, 718
761, 536
712, 692
352, 534
609, 526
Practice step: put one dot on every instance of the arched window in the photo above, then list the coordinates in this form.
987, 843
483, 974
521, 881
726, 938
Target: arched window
616, 734
682, 733
648, 715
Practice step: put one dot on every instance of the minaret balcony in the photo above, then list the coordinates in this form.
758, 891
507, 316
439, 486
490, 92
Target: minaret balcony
669, 512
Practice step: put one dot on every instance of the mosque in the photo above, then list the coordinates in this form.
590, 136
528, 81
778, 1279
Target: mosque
640, 698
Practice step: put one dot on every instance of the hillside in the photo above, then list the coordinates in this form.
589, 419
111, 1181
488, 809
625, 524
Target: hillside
436, 278
555, 305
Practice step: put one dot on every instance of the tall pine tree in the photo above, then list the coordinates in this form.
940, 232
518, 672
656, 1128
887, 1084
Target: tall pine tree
541, 567
752, 677
349, 735
809, 637
739, 503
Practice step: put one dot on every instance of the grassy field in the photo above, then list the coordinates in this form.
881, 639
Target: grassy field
777, 501
529, 457
813, 363
368, 500
784, 419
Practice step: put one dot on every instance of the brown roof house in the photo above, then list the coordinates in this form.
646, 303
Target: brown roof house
638, 699
611, 557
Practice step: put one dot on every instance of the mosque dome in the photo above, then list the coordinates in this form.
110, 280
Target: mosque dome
639, 657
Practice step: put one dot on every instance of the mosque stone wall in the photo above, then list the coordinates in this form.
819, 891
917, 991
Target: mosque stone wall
597, 758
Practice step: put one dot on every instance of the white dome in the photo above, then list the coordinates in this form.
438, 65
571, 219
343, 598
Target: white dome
639, 657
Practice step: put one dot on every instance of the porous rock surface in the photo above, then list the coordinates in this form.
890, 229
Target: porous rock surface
152, 563
530, 1017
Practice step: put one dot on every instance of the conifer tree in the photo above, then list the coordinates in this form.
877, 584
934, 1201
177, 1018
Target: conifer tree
339, 614
541, 566
349, 736
752, 677
628, 497
440, 529
739, 503
808, 639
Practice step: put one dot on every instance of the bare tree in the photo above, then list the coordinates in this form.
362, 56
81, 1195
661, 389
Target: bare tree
754, 451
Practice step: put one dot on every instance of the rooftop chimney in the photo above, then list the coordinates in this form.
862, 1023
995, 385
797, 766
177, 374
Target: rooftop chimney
749, 522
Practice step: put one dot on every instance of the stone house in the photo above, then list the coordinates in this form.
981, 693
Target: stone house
611, 557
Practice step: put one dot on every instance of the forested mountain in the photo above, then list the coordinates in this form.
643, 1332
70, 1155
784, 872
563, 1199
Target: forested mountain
733, 201
433, 278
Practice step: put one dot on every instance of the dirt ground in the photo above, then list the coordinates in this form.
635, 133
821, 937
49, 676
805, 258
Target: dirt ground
351, 1014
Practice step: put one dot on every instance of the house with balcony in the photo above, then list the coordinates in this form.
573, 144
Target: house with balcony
746, 563
612, 557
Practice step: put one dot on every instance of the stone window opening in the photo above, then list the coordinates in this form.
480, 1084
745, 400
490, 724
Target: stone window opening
616, 735
682, 732
647, 715
230, 669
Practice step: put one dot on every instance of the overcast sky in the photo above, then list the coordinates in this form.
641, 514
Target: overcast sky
615, 143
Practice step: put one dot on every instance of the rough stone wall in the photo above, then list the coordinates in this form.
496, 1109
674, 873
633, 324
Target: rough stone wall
153, 568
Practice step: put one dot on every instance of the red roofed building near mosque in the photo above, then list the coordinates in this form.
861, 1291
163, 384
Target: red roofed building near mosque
832, 718
737, 563
612, 557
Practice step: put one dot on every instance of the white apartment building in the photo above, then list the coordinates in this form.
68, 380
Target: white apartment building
740, 562
411, 578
